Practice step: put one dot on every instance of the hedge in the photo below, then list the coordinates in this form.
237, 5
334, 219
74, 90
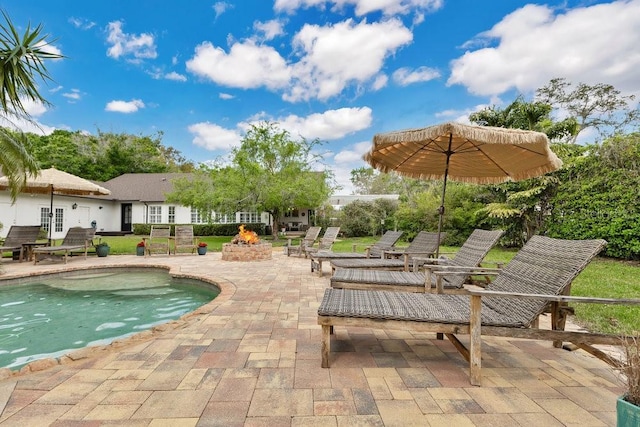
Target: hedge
205, 229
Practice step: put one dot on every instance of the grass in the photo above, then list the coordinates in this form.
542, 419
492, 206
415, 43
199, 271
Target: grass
601, 278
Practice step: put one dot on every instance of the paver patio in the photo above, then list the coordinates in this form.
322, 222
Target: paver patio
253, 358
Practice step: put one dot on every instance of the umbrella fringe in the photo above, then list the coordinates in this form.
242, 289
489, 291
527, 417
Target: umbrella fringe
486, 134
529, 173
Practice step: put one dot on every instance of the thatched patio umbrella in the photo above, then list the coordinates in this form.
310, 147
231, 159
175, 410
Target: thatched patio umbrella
465, 153
53, 181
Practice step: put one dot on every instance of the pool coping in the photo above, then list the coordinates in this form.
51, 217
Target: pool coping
227, 290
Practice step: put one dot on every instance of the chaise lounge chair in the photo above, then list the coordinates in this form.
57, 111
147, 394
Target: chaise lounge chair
77, 238
423, 245
326, 242
539, 274
471, 254
306, 242
386, 243
18, 237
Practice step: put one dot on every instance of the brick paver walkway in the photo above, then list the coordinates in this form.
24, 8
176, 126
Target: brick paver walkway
252, 358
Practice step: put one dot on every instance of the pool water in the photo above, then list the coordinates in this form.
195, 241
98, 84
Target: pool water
53, 316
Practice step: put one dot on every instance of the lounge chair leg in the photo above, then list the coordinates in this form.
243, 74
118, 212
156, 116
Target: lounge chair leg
475, 345
326, 344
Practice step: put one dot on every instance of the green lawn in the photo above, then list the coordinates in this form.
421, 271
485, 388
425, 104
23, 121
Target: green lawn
602, 278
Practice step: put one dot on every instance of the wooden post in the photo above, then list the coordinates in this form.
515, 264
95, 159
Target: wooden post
475, 347
326, 345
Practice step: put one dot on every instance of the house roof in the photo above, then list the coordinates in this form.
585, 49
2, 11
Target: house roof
143, 187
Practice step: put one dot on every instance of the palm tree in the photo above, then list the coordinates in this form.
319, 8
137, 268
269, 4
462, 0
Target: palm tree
22, 63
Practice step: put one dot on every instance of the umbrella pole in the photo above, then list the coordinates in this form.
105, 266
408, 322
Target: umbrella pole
444, 189
50, 214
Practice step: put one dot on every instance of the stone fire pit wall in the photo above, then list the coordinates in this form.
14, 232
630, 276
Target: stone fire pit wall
235, 252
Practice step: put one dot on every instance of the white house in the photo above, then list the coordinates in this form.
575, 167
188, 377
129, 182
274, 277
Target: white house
134, 198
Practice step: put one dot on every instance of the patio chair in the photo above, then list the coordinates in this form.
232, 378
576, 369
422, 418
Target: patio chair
184, 239
326, 242
540, 274
386, 243
306, 242
471, 254
423, 245
19, 238
158, 240
77, 238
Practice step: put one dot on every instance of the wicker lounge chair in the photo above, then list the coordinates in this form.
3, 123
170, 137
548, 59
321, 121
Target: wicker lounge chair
423, 245
306, 242
158, 240
77, 238
539, 274
19, 236
326, 242
386, 243
471, 254
184, 239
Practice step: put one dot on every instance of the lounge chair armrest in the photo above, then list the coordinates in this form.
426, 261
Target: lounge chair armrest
456, 269
498, 264
557, 298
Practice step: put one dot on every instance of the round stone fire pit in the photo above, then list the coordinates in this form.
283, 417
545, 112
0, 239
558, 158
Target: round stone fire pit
241, 252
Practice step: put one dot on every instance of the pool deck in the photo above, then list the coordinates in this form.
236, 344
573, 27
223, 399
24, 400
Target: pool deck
252, 358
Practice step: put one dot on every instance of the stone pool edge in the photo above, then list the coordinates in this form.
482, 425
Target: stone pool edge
227, 289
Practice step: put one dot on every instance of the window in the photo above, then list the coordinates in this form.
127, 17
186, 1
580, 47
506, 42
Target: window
248, 217
155, 214
44, 219
172, 215
196, 218
58, 220
224, 218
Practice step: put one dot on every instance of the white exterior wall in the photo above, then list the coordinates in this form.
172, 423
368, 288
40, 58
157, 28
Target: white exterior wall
26, 211
106, 213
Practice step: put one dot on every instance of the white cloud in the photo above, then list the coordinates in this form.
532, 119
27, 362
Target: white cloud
221, 7
73, 96
337, 55
136, 47
247, 65
380, 82
175, 76
225, 96
269, 29
49, 48
34, 110
353, 154
82, 23
406, 76
595, 44
363, 7
329, 125
124, 106
213, 137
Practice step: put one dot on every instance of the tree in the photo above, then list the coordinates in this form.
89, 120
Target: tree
598, 196
524, 115
270, 172
106, 155
21, 64
369, 181
599, 106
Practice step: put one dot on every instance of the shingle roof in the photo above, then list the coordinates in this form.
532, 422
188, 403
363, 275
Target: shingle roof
143, 187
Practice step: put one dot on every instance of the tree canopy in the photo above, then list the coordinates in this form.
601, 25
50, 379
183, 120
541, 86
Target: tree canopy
105, 155
270, 172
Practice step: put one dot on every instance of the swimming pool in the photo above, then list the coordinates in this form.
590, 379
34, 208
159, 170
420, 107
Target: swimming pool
49, 316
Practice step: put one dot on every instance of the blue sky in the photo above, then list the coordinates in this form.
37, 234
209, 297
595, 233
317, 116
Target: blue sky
341, 71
